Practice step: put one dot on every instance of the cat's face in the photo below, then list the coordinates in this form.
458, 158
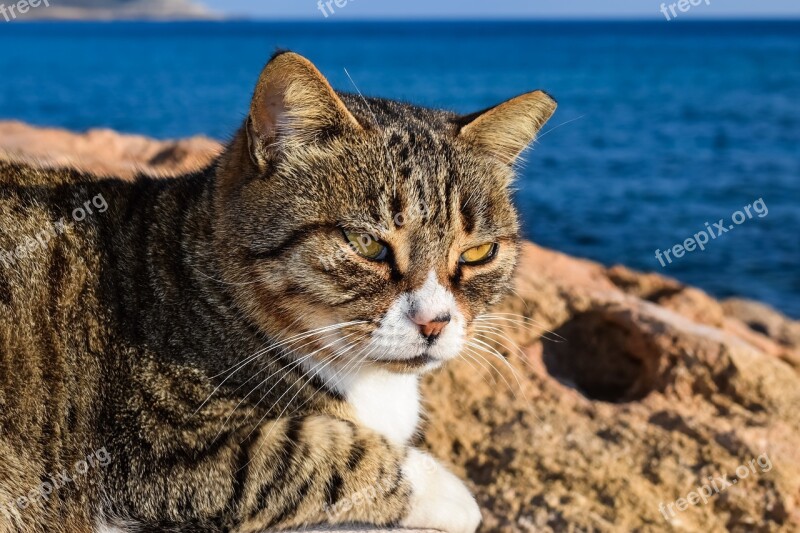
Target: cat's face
383, 227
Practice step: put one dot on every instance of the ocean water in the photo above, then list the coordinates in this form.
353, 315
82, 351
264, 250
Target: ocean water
662, 126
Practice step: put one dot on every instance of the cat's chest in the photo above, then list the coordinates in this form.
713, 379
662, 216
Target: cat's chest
385, 402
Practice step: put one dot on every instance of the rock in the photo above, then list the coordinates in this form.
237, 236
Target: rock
602, 399
104, 152
361, 530
612, 405
765, 320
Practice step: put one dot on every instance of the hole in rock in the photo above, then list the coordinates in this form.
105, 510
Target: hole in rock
604, 357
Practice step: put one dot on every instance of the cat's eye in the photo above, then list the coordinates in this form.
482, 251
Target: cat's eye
479, 254
367, 246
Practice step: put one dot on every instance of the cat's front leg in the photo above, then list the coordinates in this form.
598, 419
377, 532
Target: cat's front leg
439, 500
322, 470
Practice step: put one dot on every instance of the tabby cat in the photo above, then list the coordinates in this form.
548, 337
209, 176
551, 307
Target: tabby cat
240, 348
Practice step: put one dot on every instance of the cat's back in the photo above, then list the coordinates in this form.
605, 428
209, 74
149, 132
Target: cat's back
28, 194
33, 208
49, 267
17, 173
46, 240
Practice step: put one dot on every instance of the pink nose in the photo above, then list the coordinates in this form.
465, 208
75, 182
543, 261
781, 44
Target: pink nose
430, 329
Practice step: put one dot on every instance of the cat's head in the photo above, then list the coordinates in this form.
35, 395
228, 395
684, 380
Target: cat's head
384, 227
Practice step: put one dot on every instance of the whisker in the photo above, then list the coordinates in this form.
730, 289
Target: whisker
248, 358
285, 369
502, 323
539, 137
503, 338
352, 364
223, 282
314, 339
288, 389
522, 321
297, 335
520, 317
385, 144
342, 373
283, 411
287, 342
494, 351
473, 349
483, 367
523, 300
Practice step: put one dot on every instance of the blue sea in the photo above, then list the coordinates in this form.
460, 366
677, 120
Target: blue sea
661, 127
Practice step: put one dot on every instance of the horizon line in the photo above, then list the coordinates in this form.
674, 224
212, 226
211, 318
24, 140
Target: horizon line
242, 18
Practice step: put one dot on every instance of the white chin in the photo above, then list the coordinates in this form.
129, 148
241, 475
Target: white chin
420, 364
435, 364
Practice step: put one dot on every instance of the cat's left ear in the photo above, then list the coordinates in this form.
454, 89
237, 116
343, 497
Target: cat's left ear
505, 130
294, 103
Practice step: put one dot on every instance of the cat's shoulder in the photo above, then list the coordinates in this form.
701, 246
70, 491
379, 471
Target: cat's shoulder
22, 174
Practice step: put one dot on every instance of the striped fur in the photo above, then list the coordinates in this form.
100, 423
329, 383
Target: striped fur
152, 328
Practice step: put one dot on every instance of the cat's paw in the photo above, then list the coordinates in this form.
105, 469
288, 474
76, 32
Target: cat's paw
439, 500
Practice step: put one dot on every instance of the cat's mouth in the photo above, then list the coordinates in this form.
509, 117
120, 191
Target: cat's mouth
425, 361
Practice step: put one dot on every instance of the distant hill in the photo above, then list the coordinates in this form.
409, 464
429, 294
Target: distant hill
118, 10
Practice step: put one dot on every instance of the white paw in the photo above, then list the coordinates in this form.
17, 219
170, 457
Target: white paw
439, 500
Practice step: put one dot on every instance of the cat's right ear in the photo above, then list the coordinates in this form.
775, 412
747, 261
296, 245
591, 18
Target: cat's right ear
505, 130
293, 103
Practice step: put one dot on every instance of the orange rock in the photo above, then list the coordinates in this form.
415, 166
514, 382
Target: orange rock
105, 152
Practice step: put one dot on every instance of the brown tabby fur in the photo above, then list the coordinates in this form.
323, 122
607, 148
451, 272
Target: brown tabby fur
115, 331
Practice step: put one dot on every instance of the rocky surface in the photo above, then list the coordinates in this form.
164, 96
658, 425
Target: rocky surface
639, 392
598, 399
104, 152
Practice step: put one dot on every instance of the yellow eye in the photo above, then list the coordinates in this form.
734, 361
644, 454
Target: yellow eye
479, 254
367, 246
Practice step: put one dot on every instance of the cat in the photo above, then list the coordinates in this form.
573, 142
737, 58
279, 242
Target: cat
239, 348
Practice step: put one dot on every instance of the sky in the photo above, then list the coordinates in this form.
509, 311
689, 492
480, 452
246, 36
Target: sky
527, 9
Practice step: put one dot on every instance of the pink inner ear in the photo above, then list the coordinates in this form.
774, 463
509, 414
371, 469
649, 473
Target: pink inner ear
292, 94
268, 113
